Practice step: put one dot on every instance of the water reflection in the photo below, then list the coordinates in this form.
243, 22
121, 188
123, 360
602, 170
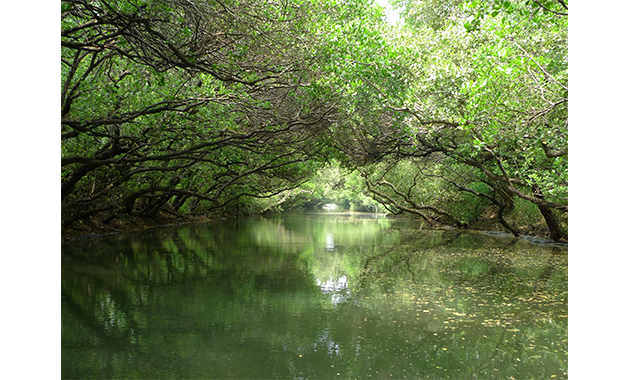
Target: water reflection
267, 298
330, 242
333, 285
327, 343
336, 289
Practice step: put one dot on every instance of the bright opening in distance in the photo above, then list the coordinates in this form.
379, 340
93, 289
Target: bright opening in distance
393, 15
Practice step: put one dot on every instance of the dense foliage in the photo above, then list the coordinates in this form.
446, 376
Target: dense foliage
203, 106
486, 115
169, 102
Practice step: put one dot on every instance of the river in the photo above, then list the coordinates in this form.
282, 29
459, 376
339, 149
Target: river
313, 296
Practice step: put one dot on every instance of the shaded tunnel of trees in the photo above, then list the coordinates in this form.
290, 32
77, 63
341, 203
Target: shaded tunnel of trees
204, 107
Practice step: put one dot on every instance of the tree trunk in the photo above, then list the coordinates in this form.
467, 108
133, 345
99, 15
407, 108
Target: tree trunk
152, 210
555, 232
504, 223
178, 202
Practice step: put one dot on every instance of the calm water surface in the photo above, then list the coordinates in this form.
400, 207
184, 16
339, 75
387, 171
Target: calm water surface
313, 297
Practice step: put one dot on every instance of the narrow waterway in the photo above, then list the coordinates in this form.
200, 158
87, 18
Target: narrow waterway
313, 297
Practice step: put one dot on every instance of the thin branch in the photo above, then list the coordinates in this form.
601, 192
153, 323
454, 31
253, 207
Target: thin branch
552, 11
540, 66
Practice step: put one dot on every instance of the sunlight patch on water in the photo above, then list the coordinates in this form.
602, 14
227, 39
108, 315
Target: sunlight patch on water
336, 288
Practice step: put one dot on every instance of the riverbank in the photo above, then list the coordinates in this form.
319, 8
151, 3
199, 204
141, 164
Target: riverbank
96, 228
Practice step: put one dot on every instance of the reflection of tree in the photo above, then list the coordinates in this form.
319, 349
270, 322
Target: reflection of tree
372, 266
553, 263
381, 264
485, 291
492, 356
190, 302
90, 322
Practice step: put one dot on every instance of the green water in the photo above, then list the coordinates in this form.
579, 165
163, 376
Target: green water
313, 297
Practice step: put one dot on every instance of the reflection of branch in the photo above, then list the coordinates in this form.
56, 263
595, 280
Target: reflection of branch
395, 264
88, 320
496, 351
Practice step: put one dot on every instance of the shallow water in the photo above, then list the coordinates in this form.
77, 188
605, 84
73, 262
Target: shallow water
313, 296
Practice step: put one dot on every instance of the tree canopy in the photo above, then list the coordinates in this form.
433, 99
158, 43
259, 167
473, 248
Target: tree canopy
204, 106
489, 102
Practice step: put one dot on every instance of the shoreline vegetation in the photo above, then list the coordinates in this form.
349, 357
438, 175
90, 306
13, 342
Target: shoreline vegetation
95, 228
